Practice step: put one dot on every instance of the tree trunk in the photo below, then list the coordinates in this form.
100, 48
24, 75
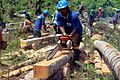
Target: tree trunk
110, 55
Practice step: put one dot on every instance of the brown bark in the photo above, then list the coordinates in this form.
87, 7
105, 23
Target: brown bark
110, 55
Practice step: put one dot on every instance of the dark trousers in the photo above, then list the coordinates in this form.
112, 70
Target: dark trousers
115, 23
56, 29
3, 45
36, 34
77, 38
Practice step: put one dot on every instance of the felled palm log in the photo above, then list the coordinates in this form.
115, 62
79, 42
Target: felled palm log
110, 55
97, 37
31, 36
45, 68
28, 42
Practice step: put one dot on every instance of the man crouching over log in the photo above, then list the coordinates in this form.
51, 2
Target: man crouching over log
27, 25
39, 23
69, 23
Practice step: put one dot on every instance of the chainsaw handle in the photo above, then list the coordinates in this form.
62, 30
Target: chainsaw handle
64, 38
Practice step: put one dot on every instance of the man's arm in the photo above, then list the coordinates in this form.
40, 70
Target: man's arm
62, 30
60, 24
43, 24
72, 33
77, 26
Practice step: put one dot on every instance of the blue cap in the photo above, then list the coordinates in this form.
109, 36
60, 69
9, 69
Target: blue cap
62, 4
46, 12
23, 11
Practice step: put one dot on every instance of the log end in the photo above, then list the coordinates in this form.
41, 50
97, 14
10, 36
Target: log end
40, 71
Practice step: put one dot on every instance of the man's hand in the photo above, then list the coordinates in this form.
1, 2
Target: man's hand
70, 36
64, 34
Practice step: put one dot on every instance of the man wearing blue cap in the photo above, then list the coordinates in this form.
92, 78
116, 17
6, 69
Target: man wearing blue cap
27, 16
91, 21
26, 26
69, 22
39, 23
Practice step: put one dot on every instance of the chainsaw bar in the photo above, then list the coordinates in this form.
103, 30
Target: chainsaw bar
59, 46
50, 56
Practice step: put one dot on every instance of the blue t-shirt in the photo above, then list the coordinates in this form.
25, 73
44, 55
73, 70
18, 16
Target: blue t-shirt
69, 22
116, 17
27, 16
39, 22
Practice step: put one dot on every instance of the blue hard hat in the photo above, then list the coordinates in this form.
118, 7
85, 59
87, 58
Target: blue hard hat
62, 4
118, 11
46, 12
23, 11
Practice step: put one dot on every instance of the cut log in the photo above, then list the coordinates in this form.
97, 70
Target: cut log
28, 42
45, 68
66, 71
82, 46
96, 37
88, 61
25, 63
110, 55
15, 23
44, 34
29, 76
35, 56
100, 66
99, 71
97, 60
18, 71
119, 28
105, 69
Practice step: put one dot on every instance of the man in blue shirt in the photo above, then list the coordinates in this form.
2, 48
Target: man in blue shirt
68, 21
115, 19
91, 21
55, 26
27, 16
39, 23
27, 25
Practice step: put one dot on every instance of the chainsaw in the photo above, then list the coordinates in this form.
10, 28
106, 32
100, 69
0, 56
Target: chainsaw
64, 43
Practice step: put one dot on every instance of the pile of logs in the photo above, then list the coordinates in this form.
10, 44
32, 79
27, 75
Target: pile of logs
28, 42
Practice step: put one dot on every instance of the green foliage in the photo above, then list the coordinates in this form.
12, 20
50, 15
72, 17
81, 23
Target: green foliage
110, 35
87, 70
12, 42
19, 59
113, 38
19, 5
